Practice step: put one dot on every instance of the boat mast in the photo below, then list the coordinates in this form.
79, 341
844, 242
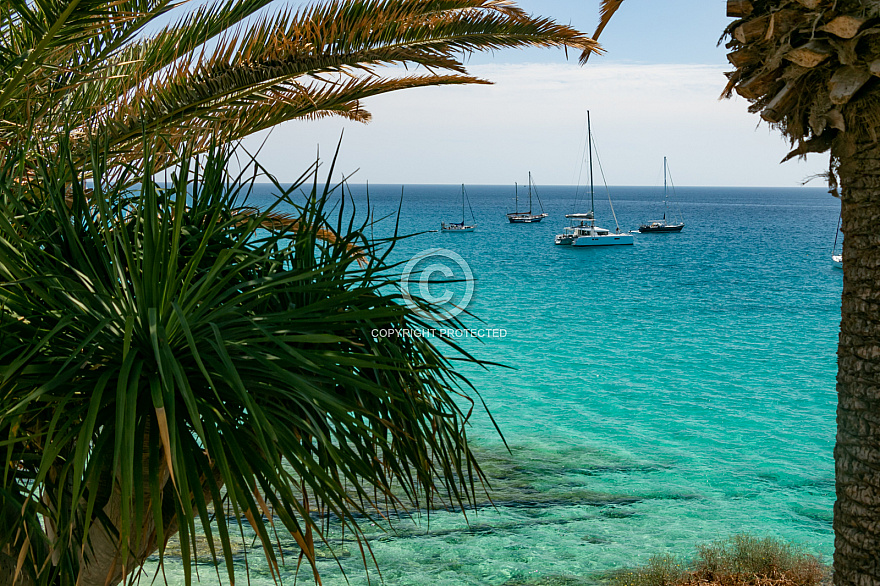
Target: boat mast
665, 192
530, 193
516, 196
462, 204
590, 145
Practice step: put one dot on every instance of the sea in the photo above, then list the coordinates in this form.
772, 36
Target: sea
653, 397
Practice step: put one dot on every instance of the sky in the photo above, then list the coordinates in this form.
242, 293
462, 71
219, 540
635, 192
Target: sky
654, 93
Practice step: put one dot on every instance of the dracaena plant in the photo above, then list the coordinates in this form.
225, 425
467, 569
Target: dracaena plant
171, 359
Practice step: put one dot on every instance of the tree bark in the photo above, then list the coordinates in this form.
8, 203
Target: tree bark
7, 571
857, 451
103, 563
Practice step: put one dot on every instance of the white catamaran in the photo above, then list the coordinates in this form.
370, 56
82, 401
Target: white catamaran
582, 229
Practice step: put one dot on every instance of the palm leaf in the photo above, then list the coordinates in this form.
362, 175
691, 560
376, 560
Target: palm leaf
606, 10
98, 81
265, 111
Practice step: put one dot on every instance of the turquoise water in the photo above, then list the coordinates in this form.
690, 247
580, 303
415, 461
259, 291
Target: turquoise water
664, 394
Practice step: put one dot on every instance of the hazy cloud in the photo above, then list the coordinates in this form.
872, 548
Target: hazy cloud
533, 119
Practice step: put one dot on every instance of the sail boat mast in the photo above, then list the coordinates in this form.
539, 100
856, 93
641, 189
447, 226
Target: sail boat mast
530, 192
462, 204
590, 146
665, 191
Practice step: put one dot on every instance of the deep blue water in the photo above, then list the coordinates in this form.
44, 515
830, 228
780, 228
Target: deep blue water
663, 395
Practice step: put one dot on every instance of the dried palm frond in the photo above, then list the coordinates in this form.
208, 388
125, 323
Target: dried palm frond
606, 11
809, 67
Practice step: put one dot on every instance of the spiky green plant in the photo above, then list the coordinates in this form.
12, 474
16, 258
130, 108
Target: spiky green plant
168, 355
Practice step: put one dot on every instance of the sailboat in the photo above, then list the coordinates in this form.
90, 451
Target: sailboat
518, 217
582, 229
663, 225
460, 226
837, 259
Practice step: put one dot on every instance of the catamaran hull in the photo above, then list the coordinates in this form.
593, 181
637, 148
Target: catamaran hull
564, 240
610, 240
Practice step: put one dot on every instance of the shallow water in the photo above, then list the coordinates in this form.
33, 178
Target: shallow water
664, 394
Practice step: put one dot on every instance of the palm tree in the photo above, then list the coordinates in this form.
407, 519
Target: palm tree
810, 68
169, 356
98, 68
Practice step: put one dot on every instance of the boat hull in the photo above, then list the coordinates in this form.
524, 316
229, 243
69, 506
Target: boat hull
656, 229
609, 240
453, 228
564, 240
525, 219
837, 259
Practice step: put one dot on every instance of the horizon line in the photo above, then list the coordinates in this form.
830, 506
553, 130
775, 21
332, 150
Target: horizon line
543, 186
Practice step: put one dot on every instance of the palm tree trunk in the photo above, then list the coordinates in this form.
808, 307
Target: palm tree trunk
7, 571
857, 452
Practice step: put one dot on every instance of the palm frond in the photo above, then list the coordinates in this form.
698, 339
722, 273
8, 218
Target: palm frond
133, 88
606, 10
123, 70
228, 123
46, 42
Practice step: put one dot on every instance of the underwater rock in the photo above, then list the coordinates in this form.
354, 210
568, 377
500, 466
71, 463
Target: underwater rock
550, 580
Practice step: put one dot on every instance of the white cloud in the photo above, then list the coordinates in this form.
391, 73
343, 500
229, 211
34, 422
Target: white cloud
533, 119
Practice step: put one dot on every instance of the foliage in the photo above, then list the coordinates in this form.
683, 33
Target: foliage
105, 69
739, 560
167, 350
745, 556
662, 570
607, 8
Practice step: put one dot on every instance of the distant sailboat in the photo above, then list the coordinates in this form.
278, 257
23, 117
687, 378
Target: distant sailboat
461, 227
518, 217
582, 230
664, 225
837, 259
